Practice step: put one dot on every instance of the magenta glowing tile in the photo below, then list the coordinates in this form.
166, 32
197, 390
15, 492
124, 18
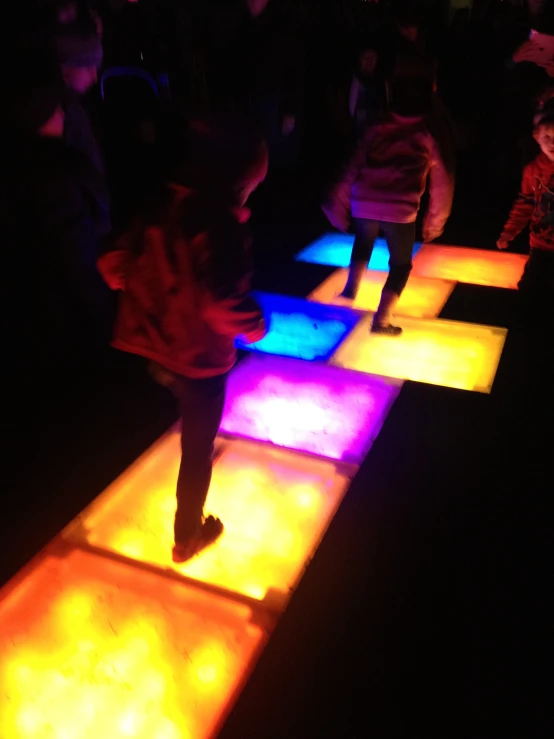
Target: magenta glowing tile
307, 407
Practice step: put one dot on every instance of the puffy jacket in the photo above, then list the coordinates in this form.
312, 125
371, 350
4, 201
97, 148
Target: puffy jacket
387, 175
185, 279
534, 205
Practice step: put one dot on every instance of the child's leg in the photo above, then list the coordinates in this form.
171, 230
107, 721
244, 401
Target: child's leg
201, 409
536, 286
366, 233
400, 241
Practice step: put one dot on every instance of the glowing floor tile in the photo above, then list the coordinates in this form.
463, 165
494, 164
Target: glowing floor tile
313, 408
301, 329
459, 355
335, 250
422, 297
93, 649
474, 266
275, 505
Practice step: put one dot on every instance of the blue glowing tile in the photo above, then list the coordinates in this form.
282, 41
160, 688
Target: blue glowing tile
301, 329
335, 249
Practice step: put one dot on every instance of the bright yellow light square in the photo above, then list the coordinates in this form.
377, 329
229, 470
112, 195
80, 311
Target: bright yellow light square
474, 266
448, 353
275, 505
422, 298
94, 649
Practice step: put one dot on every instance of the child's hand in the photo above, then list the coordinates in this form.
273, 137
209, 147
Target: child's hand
502, 243
337, 217
430, 234
257, 334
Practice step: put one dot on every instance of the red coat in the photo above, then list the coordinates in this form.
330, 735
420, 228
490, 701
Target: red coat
387, 175
185, 277
535, 204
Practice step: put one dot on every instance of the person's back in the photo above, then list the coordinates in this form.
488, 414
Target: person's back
187, 270
381, 189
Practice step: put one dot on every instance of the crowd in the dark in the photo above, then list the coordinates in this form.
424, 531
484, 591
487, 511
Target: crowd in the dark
106, 101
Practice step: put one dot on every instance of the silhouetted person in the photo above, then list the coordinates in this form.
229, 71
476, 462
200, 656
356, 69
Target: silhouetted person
184, 273
381, 188
78, 50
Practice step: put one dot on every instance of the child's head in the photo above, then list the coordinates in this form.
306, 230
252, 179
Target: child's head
543, 132
410, 97
79, 51
368, 59
225, 155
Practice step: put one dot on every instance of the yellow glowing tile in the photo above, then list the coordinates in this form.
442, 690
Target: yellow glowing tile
94, 649
475, 266
275, 505
459, 355
422, 298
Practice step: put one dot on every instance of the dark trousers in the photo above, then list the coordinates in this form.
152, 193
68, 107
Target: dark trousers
538, 276
400, 239
201, 404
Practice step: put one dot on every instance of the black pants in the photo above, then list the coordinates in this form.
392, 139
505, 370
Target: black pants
400, 239
201, 404
538, 276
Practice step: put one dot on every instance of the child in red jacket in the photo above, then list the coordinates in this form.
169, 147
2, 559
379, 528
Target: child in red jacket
381, 189
184, 272
535, 205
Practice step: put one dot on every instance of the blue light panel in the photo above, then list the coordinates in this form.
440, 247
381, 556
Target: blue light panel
301, 329
334, 250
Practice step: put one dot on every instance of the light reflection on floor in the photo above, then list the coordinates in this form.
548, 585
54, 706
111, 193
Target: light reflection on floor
275, 506
422, 298
474, 266
301, 329
335, 250
313, 408
97, 650
448, 353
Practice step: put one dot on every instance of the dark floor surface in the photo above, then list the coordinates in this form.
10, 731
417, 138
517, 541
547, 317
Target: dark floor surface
424, 612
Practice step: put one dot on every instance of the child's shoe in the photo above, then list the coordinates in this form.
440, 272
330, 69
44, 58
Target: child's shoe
385, 330
211, 530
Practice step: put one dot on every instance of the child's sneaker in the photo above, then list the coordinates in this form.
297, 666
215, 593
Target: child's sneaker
385, 330
211, 530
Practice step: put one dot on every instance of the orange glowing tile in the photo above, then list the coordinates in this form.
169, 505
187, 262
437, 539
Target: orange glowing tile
94, 649
448, 353
275, 505
475, 266
422, 298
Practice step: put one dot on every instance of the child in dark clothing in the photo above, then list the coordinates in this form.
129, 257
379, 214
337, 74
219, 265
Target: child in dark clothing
535, 205
185, 275
382, 187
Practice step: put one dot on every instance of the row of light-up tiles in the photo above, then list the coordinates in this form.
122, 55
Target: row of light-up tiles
422, 298
95, 649
474, 266
448, 353
275, 505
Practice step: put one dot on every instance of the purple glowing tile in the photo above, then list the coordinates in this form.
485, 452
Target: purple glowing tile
307, 407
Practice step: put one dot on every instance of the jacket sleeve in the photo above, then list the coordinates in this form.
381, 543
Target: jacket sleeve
228, 306
115, 262
441, 188
522, 209
336, 205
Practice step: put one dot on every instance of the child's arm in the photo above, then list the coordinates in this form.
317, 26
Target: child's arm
115, 262
521, 212
441, 192
337, 203
229, 308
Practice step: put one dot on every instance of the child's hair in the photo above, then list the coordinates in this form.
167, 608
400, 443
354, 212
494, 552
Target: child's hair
410, 96
545, 115
220, 151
